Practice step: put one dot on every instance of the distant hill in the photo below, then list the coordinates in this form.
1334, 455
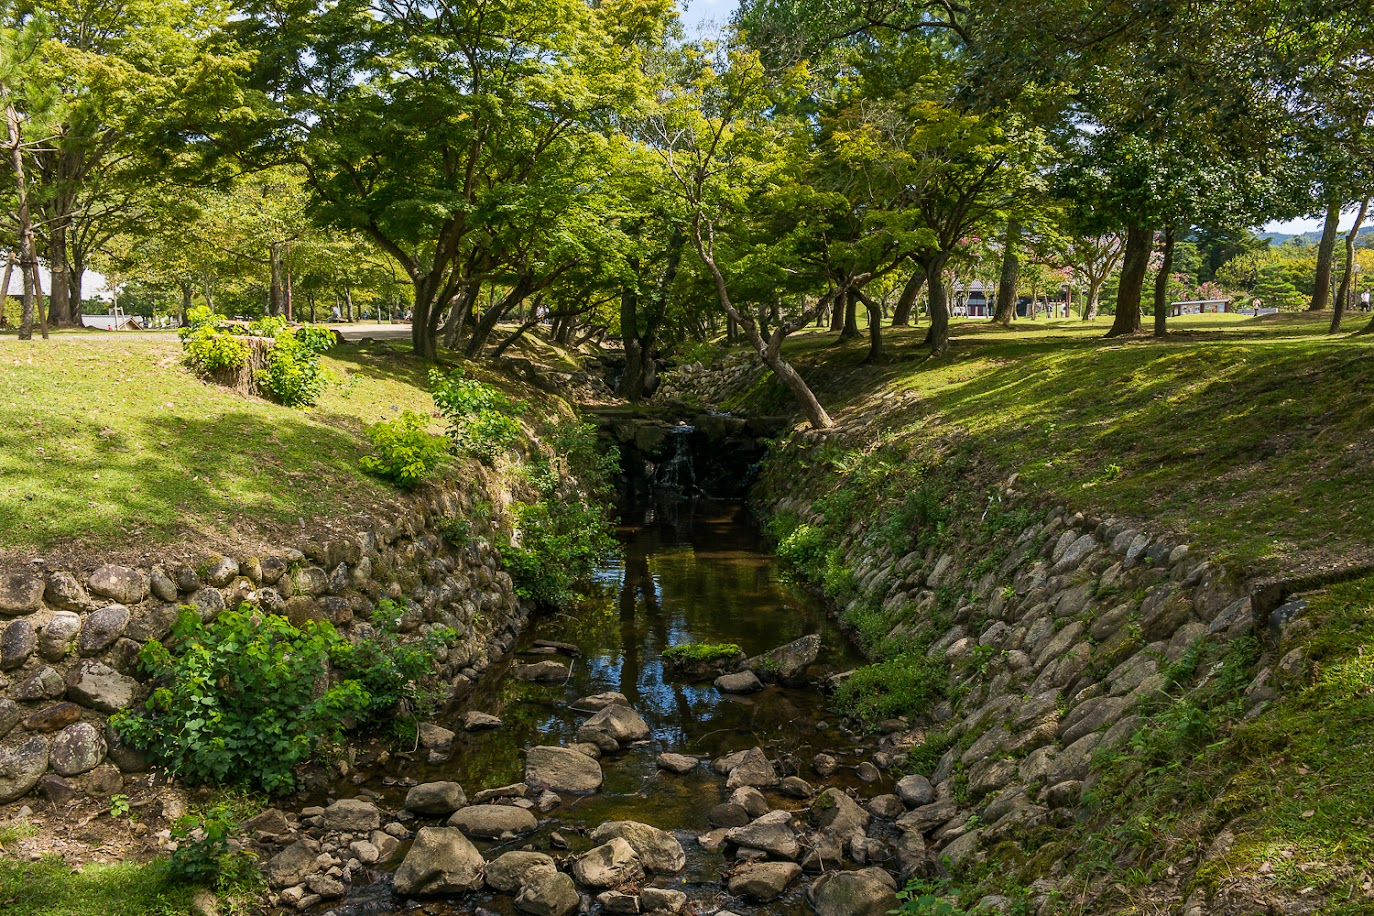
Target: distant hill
1309, 238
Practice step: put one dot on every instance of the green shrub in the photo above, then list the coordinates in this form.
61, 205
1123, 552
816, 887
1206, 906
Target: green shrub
210, 350
395, 676
315, 338
204, 854
562, 541
701, 652
566, 533
481, 418
408, 452
294, 376
249, 697
488, 435
903, 686
267, 326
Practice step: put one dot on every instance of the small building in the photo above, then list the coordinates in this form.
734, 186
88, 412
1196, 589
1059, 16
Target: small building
1199, 306
972, 300
111, 322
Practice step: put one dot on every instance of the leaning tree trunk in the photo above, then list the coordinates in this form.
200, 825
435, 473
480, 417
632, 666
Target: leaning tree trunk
1326, 252
906, 305
1342, 295
1006, 283
875, 325
1135, 261
851, 317
28, 261
1166, 268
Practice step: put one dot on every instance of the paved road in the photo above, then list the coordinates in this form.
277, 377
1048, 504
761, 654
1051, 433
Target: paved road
375, 331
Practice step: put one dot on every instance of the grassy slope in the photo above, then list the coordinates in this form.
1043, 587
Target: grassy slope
110, 446
1249, 436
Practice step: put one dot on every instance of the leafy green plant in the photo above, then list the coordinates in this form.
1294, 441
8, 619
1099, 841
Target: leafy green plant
119, 805
249, 697
563, 535
482, 420
922, 897
489, 435
210, 350
395, 675
315, 338
204, 854
905, 685
267, 326
293, 375
408, 453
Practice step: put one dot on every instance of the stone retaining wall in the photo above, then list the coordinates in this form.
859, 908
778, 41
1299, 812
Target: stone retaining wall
1050, 653
70, 637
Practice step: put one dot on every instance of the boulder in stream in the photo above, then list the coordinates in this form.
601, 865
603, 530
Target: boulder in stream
739, 682
868, 892
560, 769
753, 770
760, 882
506, 873
542, 672
548, 892
658, 850
436, 798
478, 721
492, 822
786, 664
680, 764
441, 861
599, 701
771, 833
611, 864
614, 727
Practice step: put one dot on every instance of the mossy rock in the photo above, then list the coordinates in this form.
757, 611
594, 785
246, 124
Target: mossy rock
699, 661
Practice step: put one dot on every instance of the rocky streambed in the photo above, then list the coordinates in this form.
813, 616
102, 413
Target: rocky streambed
582, 777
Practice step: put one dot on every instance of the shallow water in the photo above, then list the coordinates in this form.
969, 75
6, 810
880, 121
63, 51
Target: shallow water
689, 571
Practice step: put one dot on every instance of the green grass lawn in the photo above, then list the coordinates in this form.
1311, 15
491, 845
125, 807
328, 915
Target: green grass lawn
1250, 436
109, 444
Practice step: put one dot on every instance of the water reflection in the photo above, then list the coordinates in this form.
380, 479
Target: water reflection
688, 571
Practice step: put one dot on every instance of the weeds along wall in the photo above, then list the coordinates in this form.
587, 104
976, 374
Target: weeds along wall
70, 638
1023, 653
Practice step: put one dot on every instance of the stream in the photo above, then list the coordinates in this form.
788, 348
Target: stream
688, 571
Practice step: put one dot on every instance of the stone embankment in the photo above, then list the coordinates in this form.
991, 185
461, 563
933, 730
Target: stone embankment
70, 638
1051, 650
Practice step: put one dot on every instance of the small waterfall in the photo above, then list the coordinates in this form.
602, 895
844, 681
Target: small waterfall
678, 473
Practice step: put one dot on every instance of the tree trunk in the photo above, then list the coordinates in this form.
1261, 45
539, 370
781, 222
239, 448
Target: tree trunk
631, 386
348, 303
5, 286
906, 305
276, 302
937, 338
59, 297
1166, 269
851, 316
837, 317
1134, 263
28, 264
1011, 271
1321, 293
1346, 293
875, 326
187, 292
1091, 305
